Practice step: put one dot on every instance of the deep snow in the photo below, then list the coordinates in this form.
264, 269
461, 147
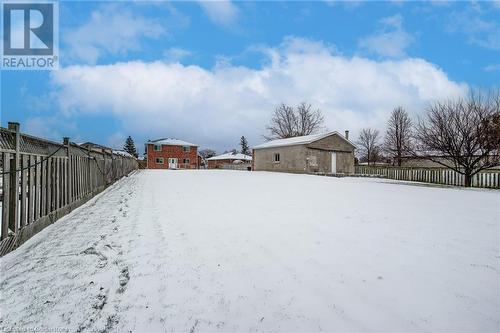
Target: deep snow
253, 251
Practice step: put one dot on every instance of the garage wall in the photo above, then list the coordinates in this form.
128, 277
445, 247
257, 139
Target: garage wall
311, 158
292, 159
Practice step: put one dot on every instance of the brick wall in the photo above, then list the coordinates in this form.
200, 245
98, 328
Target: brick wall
217, 164
172, 152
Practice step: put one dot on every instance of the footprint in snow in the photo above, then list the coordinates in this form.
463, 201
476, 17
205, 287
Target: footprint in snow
123, 279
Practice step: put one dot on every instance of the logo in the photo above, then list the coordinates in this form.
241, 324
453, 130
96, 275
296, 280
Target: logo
30, 35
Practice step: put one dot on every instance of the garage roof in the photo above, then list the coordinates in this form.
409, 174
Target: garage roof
300, 140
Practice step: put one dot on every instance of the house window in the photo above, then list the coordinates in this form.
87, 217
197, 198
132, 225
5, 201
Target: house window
159, 160
186, 149
276, 158
157, 148
186, 161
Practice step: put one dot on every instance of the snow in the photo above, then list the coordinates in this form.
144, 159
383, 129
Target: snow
289, 253
299, 140
231, 156
122, 153
171, 142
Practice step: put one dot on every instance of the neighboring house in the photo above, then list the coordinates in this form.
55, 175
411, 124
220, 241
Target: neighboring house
122, 153
142, 162
329, 153
218, 162
374, 164
96, 147
171, 154
422, 162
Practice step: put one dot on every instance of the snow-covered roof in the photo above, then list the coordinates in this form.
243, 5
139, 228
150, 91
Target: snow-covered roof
231, 156
122, 153
171, 142
299, 140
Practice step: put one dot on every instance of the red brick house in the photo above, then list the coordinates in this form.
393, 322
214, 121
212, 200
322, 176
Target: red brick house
171, 154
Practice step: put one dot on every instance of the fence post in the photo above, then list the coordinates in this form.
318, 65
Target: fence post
69, 172
14, 179
90, 171
6, 195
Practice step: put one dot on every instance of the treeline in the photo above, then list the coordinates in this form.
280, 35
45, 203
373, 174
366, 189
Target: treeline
462, 134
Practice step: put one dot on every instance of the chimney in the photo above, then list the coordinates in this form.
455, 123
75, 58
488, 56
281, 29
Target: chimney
347, 134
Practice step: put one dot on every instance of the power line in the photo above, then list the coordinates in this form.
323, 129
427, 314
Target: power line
35, 164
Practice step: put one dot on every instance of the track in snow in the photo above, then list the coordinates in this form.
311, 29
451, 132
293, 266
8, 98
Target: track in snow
236, 251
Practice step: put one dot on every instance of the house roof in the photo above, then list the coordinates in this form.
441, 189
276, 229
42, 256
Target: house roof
94, 145
122, 153
300, 140
231, 156
171, 142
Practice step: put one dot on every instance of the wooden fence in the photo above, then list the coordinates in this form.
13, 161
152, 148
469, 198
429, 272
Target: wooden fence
241, 166
42, 181
485, 179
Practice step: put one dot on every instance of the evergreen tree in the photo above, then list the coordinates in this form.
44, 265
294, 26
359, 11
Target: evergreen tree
244, 146
129, 147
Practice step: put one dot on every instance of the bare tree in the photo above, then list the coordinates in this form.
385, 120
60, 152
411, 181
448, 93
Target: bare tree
462, 134
309, 121
397, 141
288, 122
283, 123
368, 142
207, 153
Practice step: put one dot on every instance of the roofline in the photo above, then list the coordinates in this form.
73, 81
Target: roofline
154, 142
215, 158
307, 142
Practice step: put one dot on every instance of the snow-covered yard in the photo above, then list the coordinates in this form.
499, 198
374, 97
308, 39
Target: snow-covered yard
190, 251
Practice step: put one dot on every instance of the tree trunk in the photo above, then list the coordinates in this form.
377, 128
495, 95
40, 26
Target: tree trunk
399, 160
467, 180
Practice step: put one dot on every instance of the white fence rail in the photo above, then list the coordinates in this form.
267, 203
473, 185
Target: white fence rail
485, 179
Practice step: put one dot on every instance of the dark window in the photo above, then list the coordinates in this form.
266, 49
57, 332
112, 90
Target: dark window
157, 148
159, 160
186, 161
276, 158
186, 149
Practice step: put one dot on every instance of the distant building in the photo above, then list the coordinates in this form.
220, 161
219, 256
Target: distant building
171, 154
218, 162
423, 162
122, 153
96, 147
329, 153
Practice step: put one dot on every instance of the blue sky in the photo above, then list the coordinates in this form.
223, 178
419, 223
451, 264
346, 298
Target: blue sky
209, 72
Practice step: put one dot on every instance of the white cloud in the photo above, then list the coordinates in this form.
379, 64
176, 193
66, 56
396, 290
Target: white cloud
391, 40
221, 12
176, 54
215, 107
441, 3
49, 127
110, 30
475, 25
349, 4
492, 68
117, 140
